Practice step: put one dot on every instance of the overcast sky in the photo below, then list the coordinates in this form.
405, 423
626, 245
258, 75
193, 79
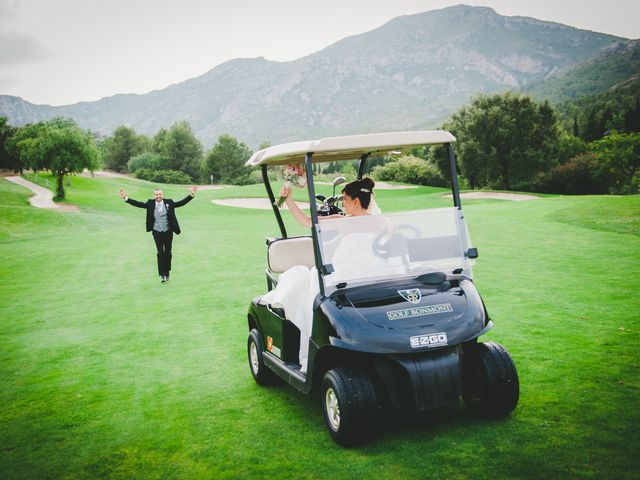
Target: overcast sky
64, 51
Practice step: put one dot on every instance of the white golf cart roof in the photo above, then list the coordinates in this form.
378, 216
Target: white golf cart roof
351, 147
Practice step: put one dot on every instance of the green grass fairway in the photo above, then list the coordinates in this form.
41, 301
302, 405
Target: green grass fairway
106, 373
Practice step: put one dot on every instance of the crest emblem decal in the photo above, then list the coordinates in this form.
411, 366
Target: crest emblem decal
412, 295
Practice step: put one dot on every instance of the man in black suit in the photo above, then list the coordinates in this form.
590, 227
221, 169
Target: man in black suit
162, 223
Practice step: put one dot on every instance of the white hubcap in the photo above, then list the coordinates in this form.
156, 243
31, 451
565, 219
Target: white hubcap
253, 352
333, 409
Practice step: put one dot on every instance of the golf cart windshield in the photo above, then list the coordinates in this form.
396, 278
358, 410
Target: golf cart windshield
365, 248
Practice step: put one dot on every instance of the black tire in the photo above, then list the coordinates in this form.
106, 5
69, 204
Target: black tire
261, 374
349, 405
490, 386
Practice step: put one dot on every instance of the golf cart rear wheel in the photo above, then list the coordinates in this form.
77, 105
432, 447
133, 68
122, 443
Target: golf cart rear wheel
261, 374
490, 386
349, 405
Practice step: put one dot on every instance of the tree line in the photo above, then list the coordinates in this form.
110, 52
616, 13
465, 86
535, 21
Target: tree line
172, 155
509, 141
175, 155
506, 141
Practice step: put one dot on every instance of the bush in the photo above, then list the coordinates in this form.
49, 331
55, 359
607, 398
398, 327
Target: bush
410, 170
163, 176
582, 175
619, 153
249, 178
148, 160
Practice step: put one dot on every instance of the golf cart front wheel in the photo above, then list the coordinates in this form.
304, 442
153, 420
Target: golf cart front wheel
490, 386
261, 374
349, 405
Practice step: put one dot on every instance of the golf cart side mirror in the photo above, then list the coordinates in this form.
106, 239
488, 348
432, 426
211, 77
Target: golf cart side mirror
472, 253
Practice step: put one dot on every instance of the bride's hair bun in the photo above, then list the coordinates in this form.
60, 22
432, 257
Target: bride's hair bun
360, 189
367, 183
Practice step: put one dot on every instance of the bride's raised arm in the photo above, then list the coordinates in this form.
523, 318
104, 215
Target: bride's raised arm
298, 214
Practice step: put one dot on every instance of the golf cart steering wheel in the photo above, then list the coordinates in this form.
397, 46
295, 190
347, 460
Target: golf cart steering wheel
383, 243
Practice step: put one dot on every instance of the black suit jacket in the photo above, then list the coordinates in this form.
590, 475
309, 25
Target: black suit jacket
169, 204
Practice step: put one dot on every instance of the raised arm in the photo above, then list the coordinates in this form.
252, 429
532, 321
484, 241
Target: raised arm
131, 201
188, 198
301, 217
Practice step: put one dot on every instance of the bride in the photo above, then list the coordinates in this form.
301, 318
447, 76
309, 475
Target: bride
298, 286
358, 201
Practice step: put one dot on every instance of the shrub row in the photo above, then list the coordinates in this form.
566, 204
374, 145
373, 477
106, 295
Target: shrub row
163, 176
582, 175
410, 170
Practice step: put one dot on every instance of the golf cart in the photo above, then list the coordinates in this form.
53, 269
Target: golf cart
392, 316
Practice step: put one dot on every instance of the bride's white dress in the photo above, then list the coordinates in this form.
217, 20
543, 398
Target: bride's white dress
296, 290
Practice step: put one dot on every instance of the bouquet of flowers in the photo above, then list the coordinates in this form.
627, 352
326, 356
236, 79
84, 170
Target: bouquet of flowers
292, 175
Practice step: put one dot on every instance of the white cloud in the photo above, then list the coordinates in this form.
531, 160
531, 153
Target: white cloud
17, 48
8, 10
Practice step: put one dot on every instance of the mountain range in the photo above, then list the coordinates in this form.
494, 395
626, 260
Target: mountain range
409, 73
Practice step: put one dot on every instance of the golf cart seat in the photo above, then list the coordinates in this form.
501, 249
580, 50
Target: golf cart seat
284, 253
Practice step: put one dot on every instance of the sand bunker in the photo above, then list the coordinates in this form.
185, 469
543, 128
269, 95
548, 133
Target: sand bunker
212, 187
260, 203
389, 186
517, 197
263, 203
379, 186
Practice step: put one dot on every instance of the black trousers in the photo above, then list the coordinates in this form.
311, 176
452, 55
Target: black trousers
163, 245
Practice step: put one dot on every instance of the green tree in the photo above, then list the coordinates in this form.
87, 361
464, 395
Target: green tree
596, 125
179, 149
502, 139
569, 146
224, 163
620, 153
122, 146
9, 159
22, 143
157, 143
61, 147
148, 160
632, 118
576, 128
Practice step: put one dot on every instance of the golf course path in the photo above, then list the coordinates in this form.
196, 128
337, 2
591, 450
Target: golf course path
43, 197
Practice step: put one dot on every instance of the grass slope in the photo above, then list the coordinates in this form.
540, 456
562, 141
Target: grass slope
105, 373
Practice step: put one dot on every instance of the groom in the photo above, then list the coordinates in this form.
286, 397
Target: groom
162, 223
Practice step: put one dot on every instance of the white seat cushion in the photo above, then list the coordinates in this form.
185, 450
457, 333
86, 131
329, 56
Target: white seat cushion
287, 252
